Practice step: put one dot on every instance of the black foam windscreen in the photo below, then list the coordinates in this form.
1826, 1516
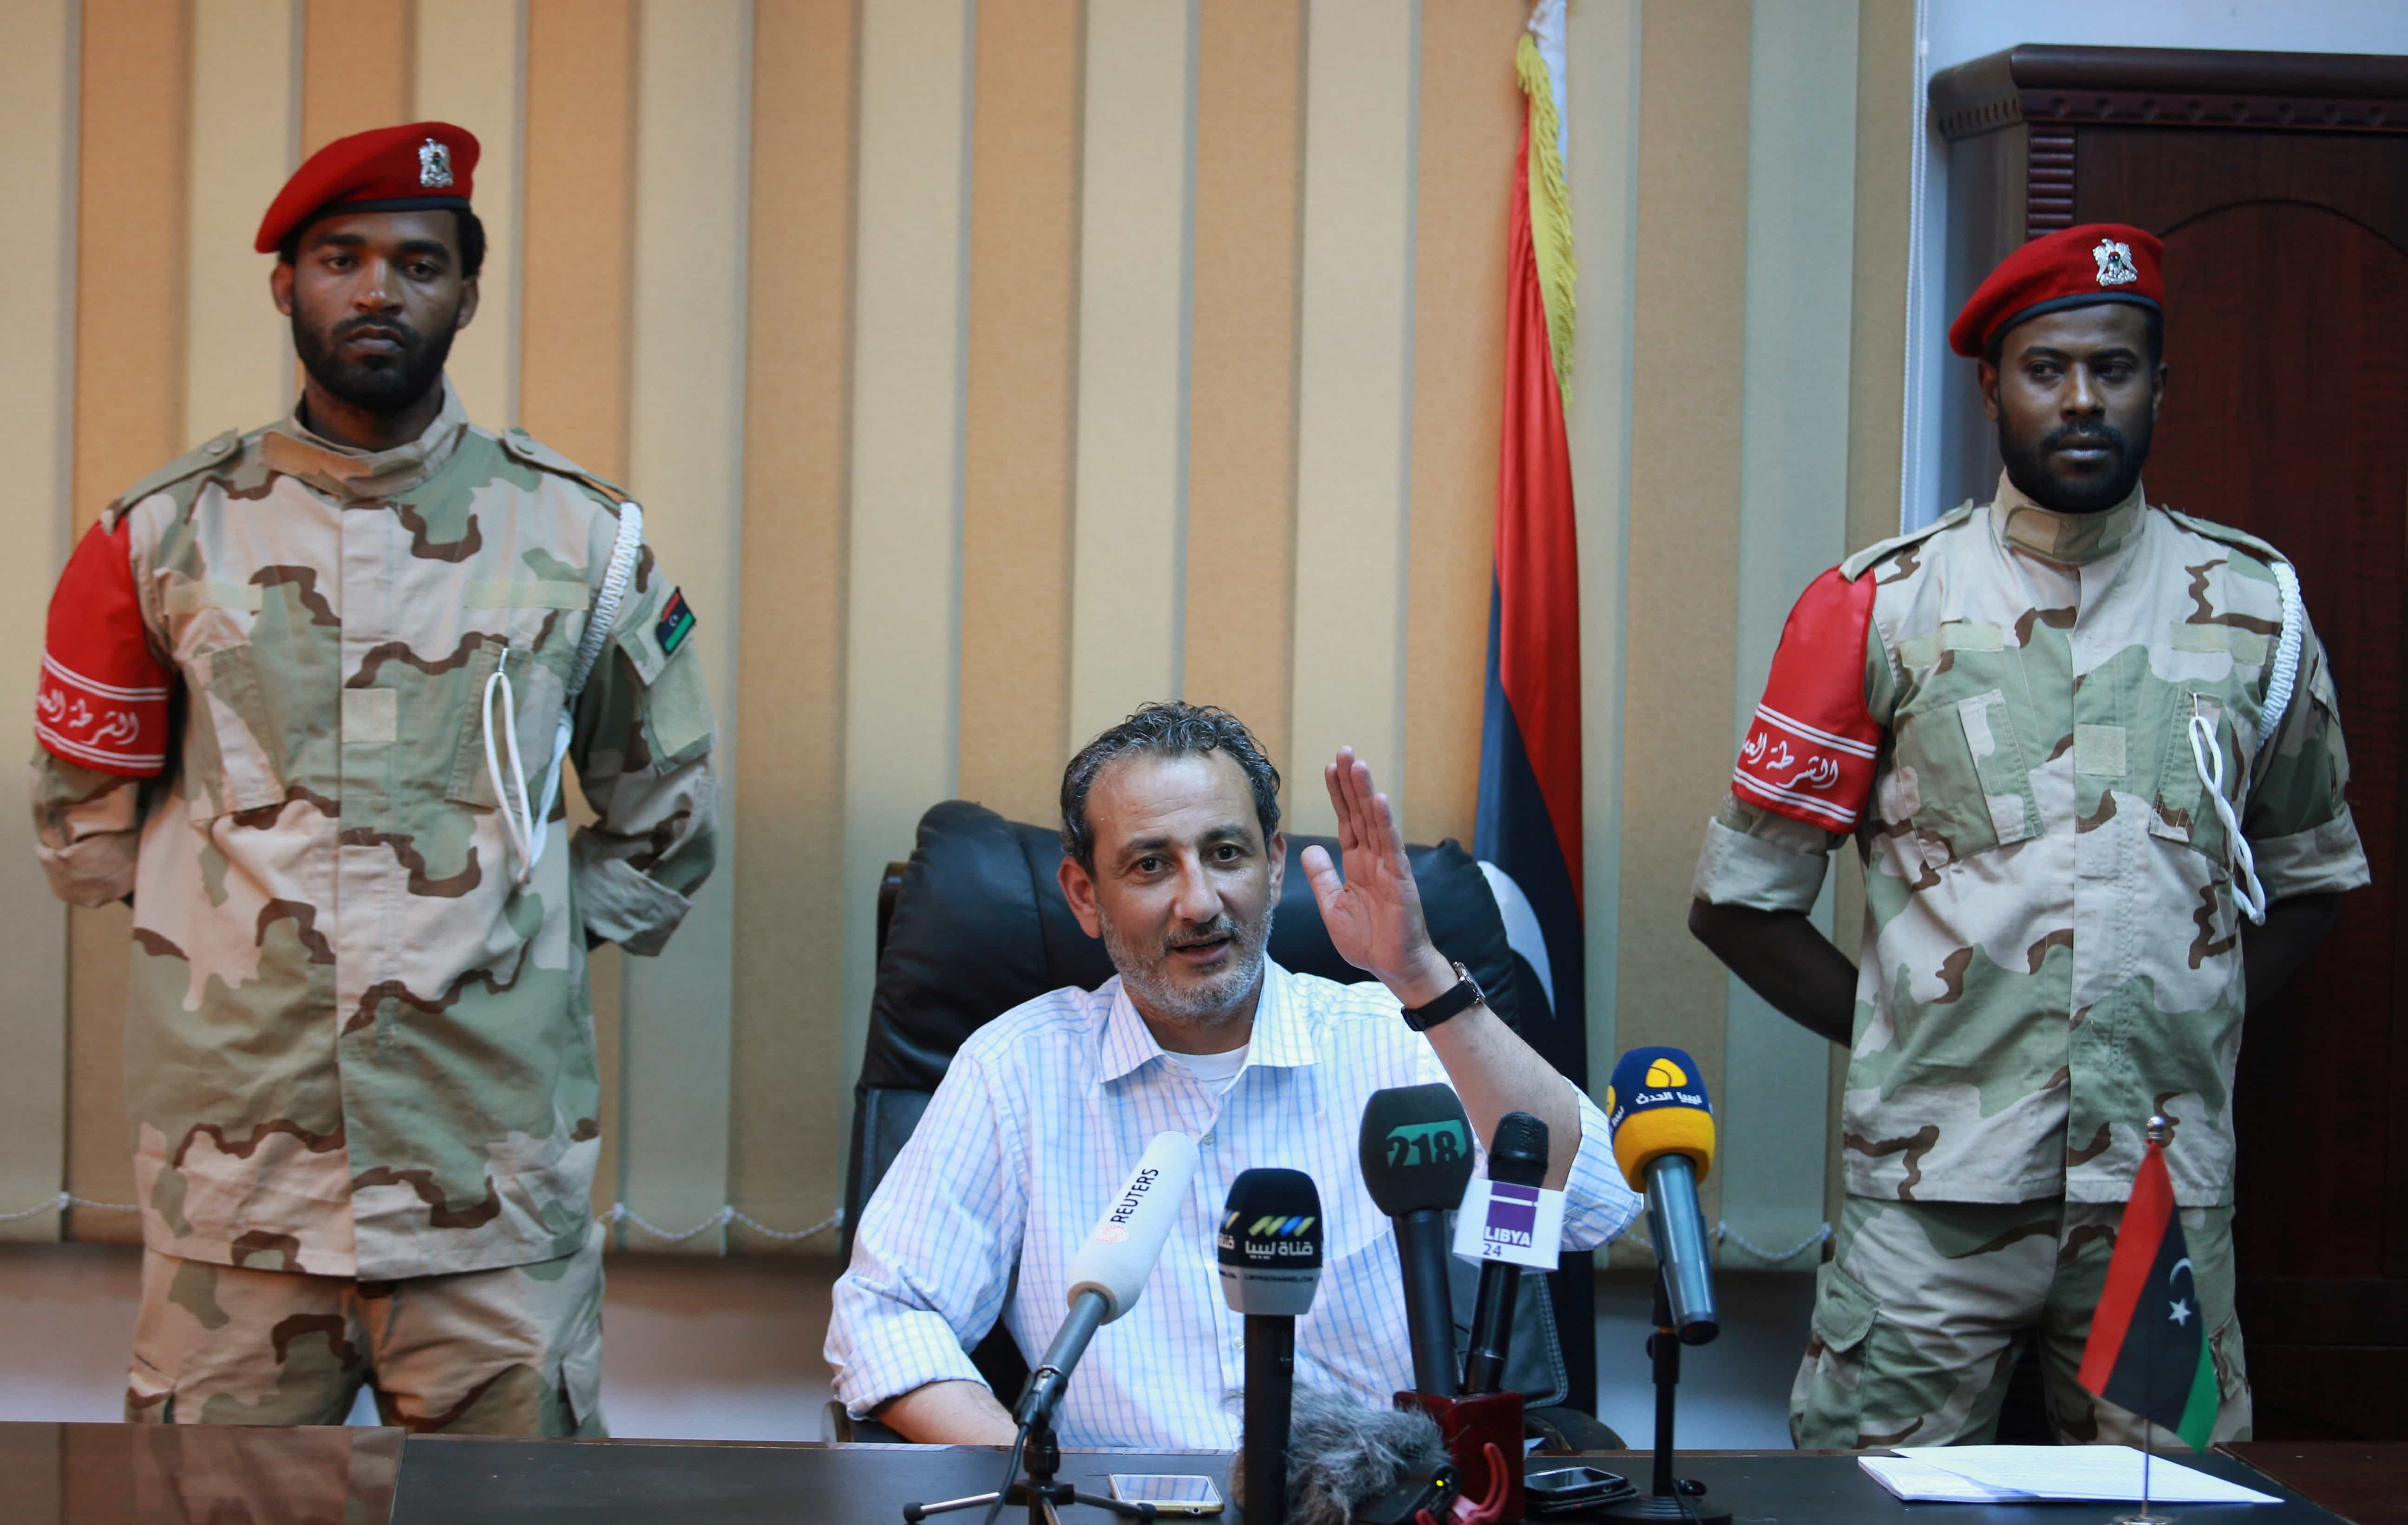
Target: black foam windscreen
1416, 1149
1518, 1153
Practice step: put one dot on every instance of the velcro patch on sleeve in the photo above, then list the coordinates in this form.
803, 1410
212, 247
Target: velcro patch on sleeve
1811, 749
676, 623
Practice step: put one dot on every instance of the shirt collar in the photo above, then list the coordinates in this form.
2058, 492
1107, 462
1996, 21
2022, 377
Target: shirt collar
342, 472
2068, 539
1283, 1033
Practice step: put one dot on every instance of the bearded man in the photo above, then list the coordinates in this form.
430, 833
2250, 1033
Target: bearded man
2090, 753
1172, 854
289, 689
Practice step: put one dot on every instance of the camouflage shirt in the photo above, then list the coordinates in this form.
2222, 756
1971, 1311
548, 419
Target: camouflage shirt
2000, 710
358, 1043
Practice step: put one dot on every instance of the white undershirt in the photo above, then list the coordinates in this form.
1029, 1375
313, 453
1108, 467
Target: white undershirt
1216, 1071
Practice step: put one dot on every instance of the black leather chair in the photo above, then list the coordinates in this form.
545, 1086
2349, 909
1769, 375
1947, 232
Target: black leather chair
975, 924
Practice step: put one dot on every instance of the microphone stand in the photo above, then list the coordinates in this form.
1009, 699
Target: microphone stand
1041, 1458
1674, 1498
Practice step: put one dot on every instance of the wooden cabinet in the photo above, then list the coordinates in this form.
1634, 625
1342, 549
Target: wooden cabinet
2279, 182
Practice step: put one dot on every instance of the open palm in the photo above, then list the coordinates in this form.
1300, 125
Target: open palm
1373, 913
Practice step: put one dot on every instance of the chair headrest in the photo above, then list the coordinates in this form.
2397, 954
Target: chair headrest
981, 926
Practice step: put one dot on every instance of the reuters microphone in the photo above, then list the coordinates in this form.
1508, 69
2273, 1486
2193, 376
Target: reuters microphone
1663, 1130
1111, 1267
1417, 1159
1270, 1261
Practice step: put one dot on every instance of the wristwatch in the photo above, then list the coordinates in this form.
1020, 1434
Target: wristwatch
1458, 997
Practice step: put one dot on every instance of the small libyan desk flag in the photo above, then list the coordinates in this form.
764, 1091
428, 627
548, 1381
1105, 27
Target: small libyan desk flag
2148, 1341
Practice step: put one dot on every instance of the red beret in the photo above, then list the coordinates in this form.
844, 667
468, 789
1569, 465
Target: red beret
414, 167
2075, 268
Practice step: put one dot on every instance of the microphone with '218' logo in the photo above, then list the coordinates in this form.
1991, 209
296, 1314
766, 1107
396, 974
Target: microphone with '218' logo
1270, 1262
1417, 1159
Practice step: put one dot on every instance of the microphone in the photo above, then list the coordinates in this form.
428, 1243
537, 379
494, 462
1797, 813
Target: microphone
1111, 1267
1352, 1462
1270, 1261
1417, 1158
1663, 1130
1517, 1156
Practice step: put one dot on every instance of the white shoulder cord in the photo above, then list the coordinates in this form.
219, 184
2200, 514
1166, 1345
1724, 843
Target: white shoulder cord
2209, 757
527, 823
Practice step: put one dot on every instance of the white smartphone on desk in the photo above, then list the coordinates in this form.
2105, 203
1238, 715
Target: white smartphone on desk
1169, 1492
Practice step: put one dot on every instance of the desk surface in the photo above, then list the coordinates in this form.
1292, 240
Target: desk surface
105, 1474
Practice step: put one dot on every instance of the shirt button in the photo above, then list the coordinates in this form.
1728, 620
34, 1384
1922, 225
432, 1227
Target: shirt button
1206, 1141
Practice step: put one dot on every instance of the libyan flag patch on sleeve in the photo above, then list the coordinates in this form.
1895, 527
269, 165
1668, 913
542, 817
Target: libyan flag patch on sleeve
676, 624
2148, 1351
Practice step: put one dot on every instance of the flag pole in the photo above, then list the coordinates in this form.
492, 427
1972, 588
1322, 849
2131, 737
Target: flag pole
2157, 1130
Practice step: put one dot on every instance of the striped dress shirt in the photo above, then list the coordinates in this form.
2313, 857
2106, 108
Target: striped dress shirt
1040, 1120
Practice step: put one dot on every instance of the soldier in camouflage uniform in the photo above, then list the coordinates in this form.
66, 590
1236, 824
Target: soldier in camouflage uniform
301, 698
2089, 754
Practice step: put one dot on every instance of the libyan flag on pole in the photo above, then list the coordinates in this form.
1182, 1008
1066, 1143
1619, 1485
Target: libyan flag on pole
2148, 1341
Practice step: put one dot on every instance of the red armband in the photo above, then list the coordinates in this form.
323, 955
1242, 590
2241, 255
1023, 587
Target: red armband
1810, 751
102, 699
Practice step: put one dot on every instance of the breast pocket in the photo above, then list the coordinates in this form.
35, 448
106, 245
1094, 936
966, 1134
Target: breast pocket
2186, 811
1972, 769
530, 706
232, 762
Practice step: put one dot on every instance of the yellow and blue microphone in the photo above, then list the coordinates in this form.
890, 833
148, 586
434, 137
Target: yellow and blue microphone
1663, 1126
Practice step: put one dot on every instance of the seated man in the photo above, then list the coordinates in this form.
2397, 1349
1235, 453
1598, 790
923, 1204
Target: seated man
1172, 854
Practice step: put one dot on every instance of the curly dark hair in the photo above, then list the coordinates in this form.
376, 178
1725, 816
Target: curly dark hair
1176, 729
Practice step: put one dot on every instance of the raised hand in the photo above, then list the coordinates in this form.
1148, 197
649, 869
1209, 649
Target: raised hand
1373, 914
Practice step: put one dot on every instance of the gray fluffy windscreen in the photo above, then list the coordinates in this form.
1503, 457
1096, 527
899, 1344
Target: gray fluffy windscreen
1342, 1453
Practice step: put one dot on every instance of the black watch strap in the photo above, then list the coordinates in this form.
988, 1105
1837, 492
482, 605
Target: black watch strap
1458, 997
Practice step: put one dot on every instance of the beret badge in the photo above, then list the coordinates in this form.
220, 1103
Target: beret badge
2115, 267
435, 173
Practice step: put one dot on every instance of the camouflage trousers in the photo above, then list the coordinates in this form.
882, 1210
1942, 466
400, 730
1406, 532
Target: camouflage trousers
1923, 1308
516, 1351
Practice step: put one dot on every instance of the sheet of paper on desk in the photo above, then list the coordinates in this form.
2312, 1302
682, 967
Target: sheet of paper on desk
2063, 1473
1919, 1482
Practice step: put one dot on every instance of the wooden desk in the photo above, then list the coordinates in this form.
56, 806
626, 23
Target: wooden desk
2364, 1483
490, 1482
176, 1475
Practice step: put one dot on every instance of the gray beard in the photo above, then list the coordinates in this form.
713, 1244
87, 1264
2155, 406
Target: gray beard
1204, 1008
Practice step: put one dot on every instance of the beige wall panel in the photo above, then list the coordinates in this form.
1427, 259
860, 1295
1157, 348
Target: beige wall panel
1242, 376
1888, 130
1793, 524
359, 68
38, 104
135, 95
787, 1149
1024, 294
1684, 498
1471, 109
1355, 379
1602, 45
903, 574
477, 52
245, 140
686, 438
1127, 540
575, 230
